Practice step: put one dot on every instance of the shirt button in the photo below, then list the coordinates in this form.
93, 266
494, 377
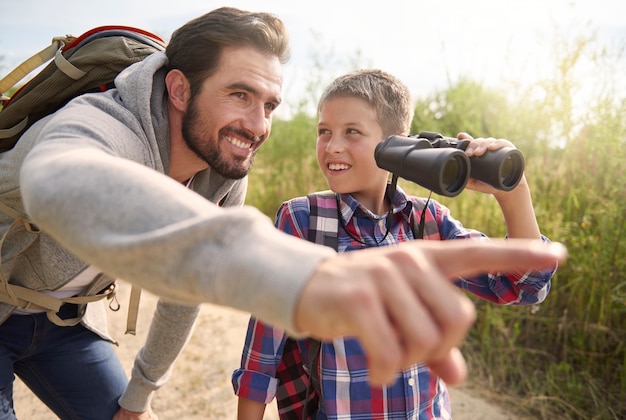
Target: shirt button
411, 381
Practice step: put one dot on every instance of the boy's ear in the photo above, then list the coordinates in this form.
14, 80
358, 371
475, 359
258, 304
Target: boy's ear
178, 89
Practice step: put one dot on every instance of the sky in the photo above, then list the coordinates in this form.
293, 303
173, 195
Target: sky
426, 43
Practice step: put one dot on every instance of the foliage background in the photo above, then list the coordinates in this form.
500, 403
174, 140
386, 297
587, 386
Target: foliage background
565, 358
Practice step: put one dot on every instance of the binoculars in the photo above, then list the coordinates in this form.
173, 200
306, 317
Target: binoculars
440, 164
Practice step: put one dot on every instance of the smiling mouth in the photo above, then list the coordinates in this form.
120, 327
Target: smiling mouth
338, 166
240, 143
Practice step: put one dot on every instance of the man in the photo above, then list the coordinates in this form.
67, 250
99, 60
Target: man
124, 183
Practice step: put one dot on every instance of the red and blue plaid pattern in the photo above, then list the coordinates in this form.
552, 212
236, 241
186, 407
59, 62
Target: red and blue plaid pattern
273, 365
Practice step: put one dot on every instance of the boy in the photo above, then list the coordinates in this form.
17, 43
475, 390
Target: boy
356, 112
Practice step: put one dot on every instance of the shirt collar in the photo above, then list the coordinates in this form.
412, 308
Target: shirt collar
350, 206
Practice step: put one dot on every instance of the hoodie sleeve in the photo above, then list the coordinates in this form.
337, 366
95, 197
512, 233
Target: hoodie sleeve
140, 225
170, 330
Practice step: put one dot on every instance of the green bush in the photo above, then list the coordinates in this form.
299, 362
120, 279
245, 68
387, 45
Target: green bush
286, 165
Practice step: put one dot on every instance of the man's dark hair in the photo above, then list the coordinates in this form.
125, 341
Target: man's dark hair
196, 47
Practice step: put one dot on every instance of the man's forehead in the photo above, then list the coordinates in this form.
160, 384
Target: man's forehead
248, 69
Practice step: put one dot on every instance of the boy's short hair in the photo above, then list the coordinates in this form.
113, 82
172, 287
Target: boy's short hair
389, 97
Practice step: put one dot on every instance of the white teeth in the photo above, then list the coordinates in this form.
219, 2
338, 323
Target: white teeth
338, 166
238, 143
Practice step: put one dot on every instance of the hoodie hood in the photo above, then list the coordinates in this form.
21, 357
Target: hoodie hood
141, 88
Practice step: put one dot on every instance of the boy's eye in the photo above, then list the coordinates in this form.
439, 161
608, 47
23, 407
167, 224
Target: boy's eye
352, 131
322, 131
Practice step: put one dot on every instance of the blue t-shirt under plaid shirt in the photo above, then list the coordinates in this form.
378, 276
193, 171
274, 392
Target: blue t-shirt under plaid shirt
272, 363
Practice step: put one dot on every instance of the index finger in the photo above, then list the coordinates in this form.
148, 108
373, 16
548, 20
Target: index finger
470, 257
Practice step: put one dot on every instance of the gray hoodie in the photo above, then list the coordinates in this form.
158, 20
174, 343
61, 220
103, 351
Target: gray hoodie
92, 177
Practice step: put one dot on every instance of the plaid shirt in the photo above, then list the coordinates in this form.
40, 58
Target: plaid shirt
274, 365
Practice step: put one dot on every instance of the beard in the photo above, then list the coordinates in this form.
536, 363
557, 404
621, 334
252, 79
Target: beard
207, 149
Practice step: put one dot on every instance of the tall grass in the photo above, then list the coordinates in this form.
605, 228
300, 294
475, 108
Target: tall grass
286, 166
565, 358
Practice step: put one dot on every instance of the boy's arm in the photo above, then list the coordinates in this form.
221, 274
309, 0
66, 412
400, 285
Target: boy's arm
250, 409
519, 214
255, 379
516, 205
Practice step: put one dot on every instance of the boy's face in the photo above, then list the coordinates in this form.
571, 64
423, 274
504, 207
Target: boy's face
347, 134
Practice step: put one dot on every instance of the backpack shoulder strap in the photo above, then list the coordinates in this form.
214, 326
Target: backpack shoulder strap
323, 229
133, 309
323, 223
33, 62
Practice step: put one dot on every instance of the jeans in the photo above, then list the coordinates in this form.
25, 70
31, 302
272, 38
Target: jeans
72, 370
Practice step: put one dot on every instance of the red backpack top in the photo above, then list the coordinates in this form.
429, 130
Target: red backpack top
83, 64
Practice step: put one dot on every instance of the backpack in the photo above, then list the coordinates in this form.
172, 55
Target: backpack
84, 64
88, 63
324, 230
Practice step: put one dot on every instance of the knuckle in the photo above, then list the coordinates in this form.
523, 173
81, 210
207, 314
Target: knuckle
458, 320
361, 297
422, 339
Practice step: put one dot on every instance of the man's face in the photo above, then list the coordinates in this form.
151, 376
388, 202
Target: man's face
231, 116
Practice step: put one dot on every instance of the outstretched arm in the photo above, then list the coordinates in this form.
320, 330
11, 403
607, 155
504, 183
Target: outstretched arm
173, 242
375, 293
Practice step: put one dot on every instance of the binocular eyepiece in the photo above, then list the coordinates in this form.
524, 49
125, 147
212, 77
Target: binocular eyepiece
440, 164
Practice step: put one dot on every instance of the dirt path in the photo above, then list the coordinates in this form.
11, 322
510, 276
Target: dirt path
200, 386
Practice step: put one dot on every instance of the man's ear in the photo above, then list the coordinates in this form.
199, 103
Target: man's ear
177, 89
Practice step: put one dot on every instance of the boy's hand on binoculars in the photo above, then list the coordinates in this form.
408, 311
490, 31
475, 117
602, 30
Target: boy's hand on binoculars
478, 147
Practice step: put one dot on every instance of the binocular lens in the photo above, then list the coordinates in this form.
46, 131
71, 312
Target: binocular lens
506, 171
502, 168
511, 170
451, 176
